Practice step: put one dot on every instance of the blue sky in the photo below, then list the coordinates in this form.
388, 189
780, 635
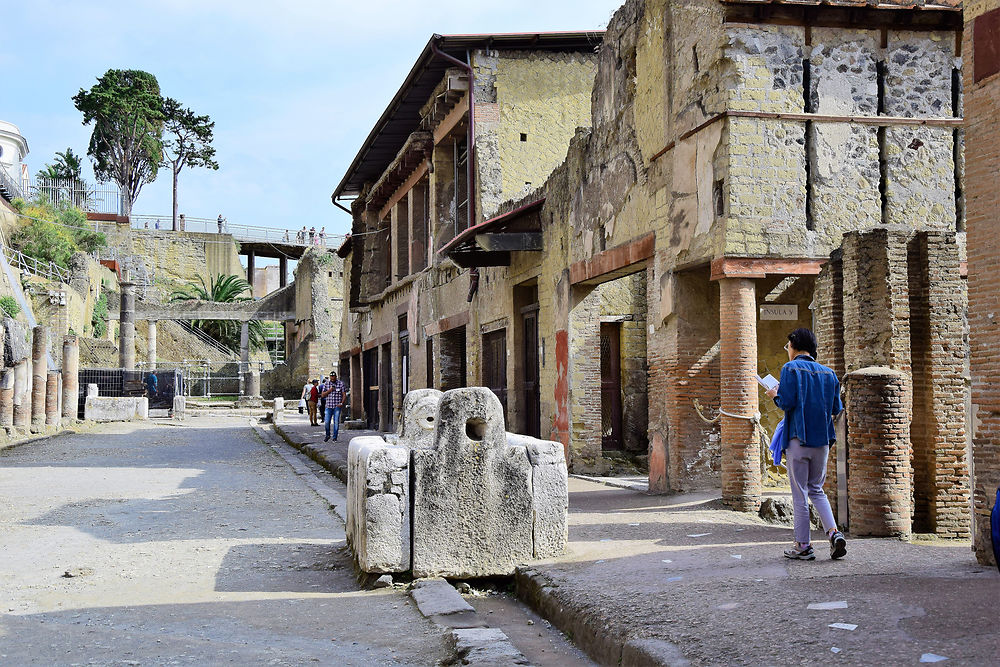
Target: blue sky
293, 87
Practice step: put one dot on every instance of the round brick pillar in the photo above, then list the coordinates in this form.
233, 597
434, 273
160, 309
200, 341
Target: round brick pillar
39, 370
70, 378
126, 327
52, 398
741, 482
7, 398
880, 475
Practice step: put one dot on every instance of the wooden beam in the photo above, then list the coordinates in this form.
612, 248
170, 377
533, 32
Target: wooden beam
452, 119
510, 241
761, 267
468, 259
614, 262
403, 189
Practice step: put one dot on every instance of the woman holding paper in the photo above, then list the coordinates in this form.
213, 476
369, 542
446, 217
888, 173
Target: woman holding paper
809, 394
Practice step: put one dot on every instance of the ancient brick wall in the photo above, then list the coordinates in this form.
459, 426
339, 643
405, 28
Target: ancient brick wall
902, 304
880, 483
982, 188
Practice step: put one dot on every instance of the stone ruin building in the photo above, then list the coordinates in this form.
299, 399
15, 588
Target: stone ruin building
623, 303
981, 82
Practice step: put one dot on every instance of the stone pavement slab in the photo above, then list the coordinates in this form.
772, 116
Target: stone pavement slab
332, 455
674, 579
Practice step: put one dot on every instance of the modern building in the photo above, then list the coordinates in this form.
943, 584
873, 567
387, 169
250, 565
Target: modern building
13, 171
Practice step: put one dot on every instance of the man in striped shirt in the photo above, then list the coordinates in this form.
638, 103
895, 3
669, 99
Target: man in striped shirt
334, 393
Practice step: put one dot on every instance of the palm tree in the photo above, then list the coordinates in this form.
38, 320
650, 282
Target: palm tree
68, 164
223, 289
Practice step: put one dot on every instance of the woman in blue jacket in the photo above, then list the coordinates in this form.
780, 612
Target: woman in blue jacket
809, 393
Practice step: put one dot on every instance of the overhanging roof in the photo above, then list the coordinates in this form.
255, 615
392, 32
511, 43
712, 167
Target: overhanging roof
484, 245
402, 116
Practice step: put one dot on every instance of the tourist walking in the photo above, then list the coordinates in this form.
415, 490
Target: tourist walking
335, 392
220, 221
312, 235
809, 394
301, 236
311, 402
322, 236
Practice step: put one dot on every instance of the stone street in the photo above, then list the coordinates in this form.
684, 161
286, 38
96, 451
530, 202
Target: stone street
140, 544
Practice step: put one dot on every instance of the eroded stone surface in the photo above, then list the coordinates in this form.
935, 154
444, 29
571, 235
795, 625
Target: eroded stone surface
482, 500
472, 494
378, 515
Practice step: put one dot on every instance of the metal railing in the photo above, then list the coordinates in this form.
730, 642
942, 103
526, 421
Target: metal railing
100, 198
205, 338
10, 187
42, 269
249, 233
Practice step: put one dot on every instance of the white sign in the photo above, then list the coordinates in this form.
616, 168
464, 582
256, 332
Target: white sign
775, 311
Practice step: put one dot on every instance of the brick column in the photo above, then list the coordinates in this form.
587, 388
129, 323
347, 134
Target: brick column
126, 333
22, 394
39, 369
70, 378
741, 481
947, 484
881, 479
52, 398
7, 398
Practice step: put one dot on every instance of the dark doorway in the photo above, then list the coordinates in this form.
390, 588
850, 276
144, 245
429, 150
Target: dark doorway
370, 382
451, 357
429, 343
611, 386
529, 352
385, 387
495, 365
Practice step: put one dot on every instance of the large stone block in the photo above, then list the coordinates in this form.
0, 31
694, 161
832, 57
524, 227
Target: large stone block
115, 408
481, 500
378, 506
15, 344
472, 504
416, 427
549, 493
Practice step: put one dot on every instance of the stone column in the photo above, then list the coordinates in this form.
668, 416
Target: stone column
741, 480
22, 394
126, 322
878, 427
250, 267
70, 377
253, 383
52, 398
151, 344
39, 371
245, 344
7, 398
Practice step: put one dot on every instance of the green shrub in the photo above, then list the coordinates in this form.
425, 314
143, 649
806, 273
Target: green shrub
9, 305
99, 320
40, 239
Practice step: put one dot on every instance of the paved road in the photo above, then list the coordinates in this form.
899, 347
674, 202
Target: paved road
189, 545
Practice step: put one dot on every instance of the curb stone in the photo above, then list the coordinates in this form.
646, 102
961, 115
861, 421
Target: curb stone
589, 630
337, 468
473, 642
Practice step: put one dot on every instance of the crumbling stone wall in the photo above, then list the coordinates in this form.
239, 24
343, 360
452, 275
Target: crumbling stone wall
522, 129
